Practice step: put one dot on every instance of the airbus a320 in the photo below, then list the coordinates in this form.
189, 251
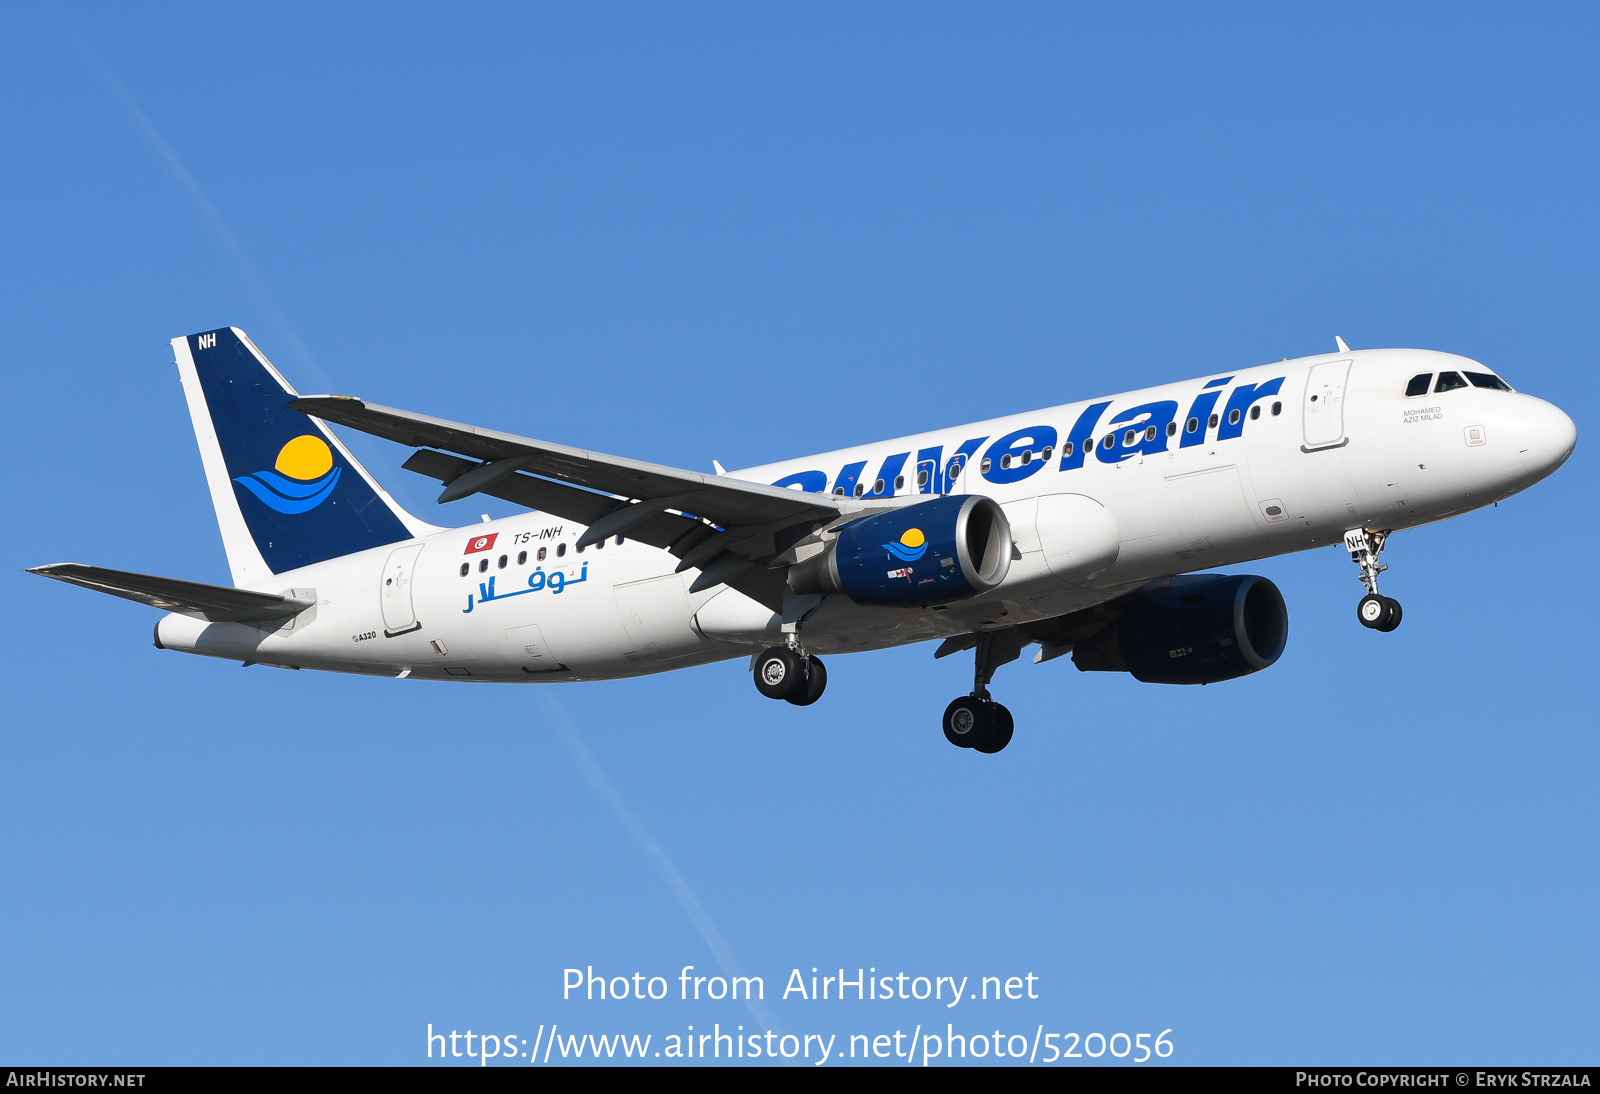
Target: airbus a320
1077, 529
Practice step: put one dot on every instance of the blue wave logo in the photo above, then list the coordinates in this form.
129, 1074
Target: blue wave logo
912, 546
302, 477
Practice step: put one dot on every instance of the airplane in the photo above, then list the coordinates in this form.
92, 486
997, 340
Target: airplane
1091, 529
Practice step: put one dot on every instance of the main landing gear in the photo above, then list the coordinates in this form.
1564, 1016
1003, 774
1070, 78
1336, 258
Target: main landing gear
976, 721
790, 674
1376, 611
979, 723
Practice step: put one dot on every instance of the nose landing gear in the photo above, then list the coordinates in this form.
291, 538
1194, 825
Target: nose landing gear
1376, 611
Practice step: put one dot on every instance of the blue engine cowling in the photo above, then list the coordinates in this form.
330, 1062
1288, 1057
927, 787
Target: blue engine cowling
1200, 629
930, 553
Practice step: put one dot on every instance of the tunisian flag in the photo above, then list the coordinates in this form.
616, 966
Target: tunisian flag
482, 543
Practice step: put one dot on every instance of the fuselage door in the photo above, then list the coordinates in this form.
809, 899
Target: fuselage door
1324, 404
954, 470
399, 617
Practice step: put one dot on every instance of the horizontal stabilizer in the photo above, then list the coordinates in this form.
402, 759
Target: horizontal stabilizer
213, 603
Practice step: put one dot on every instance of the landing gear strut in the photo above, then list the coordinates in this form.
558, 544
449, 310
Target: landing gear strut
790, 674
976, 721
1376, 611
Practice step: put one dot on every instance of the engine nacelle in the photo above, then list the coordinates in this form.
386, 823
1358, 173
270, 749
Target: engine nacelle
1202, 629
930, 553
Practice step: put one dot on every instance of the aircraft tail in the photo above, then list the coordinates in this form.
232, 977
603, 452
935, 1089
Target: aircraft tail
287, 493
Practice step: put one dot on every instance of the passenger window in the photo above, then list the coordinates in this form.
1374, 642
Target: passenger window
1108, 440
561, 549
466, 568
619, 541
1214, 421
877, 487
599, 545
1047, 453
1449, 381
580, 548
1193, 425
922, 478
1419, 385
1233, 417
501, 565
1488, 380
1066, 449
542, 552
899, 482
1277, 408
985, 465
1150, 433
1255, 412
522, 558
483, 566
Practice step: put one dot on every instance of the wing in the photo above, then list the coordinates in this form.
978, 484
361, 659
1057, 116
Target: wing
213, 603
730, 529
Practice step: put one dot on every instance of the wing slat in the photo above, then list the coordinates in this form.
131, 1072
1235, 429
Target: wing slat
727, 502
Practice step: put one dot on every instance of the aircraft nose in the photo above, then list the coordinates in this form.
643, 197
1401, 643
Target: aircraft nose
1545, 437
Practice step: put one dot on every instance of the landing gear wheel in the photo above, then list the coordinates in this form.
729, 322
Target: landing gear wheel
1000, 733
968, 721
779, 673
816, 682
1375, 612
1394, 615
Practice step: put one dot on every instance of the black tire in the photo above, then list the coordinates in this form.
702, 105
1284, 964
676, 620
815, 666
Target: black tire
779, 673
1373, 611
816, 683
1393, 619
968, 721
1000, 734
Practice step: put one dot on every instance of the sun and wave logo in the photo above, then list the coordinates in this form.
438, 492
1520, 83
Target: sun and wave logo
912, 546
301, 478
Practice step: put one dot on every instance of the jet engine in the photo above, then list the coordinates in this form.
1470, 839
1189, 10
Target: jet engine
929, 553
1201, 629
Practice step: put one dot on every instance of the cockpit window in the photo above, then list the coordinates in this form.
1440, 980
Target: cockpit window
1488, 380
1419, 385
1449, 381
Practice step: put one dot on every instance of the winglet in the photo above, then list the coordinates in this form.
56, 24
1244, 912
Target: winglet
1340, 343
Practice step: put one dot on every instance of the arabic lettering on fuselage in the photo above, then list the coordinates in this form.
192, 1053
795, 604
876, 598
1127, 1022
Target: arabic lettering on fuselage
538, 581
1141, 430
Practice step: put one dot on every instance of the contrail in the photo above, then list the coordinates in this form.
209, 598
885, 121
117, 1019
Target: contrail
225, 242
669, 873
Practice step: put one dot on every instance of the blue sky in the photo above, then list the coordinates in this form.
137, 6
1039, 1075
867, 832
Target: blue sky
745, 233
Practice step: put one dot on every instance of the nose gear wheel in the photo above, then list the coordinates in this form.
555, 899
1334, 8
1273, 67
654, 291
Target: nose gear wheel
1375, 611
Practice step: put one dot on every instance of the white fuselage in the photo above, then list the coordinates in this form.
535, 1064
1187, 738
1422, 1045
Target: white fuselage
1295, 476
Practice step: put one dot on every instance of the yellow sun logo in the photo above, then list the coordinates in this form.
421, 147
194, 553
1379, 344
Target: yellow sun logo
912, 546
304, 458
